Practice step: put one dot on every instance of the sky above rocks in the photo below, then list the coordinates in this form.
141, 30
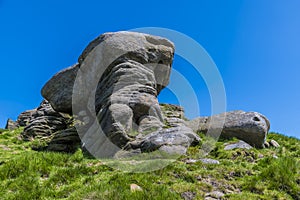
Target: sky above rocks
255, 45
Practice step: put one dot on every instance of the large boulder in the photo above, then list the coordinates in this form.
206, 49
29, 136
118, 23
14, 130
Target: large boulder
251, 127
133, 68
58, 90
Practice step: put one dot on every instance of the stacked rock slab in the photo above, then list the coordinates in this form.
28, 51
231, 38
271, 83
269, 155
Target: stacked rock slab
251, 127
42, 122
125, 96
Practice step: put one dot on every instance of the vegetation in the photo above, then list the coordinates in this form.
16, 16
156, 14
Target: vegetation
271, 173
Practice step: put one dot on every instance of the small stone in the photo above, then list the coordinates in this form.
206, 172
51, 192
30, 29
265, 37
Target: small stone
188, 195
209, 161
275, 144
260, 155
239, 145
191, 161
215, 194
135, 188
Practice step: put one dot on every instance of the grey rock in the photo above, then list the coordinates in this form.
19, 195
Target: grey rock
11, 125
188, 195
25, 117
44, 121
266, 144
64, 141
59, 89
173, 115
174, 140
125, 102
273, 143
203, 160
209, 161
125, 94
238, 145
214, 195
149, 124
252, 127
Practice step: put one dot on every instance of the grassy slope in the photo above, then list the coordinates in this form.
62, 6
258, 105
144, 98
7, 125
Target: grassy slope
242, 174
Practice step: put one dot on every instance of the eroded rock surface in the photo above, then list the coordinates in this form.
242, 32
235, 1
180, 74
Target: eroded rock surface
11, 125
251, 127
59, 89
42, 122
125, 94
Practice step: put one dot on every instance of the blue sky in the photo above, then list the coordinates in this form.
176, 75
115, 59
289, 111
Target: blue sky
254, 43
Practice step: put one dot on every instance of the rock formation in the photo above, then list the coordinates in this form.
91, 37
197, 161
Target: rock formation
251, 127
44, 122
126, 94
11, 125
130, 69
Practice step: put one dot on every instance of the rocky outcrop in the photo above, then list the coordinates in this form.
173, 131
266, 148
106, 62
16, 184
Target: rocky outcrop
251, 127
173, 115
43, 122
66, 140
126, 94
11, 125
121, 75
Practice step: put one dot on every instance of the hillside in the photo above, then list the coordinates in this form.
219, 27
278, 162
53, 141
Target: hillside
270, 173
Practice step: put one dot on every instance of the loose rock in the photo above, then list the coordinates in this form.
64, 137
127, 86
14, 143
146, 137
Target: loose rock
239, 145
275, 144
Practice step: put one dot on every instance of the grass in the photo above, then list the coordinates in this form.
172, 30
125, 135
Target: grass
241, 174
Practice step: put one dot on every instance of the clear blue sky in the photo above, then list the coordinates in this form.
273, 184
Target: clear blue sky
255, 44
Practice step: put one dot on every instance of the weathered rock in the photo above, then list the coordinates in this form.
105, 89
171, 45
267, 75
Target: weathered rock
214, 195
174, 140
25, 117
173, 115
133, 82
273, 143
59, 89
238, 145
64, 141
203, 160
188, 195
251, 127
44, 121
11, 125
266, 144
209, 161
125, 94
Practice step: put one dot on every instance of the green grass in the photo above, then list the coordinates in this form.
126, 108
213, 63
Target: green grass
241, 174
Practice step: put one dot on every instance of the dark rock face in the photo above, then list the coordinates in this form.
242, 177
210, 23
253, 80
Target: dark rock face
66, 140
42, 122
251, 127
